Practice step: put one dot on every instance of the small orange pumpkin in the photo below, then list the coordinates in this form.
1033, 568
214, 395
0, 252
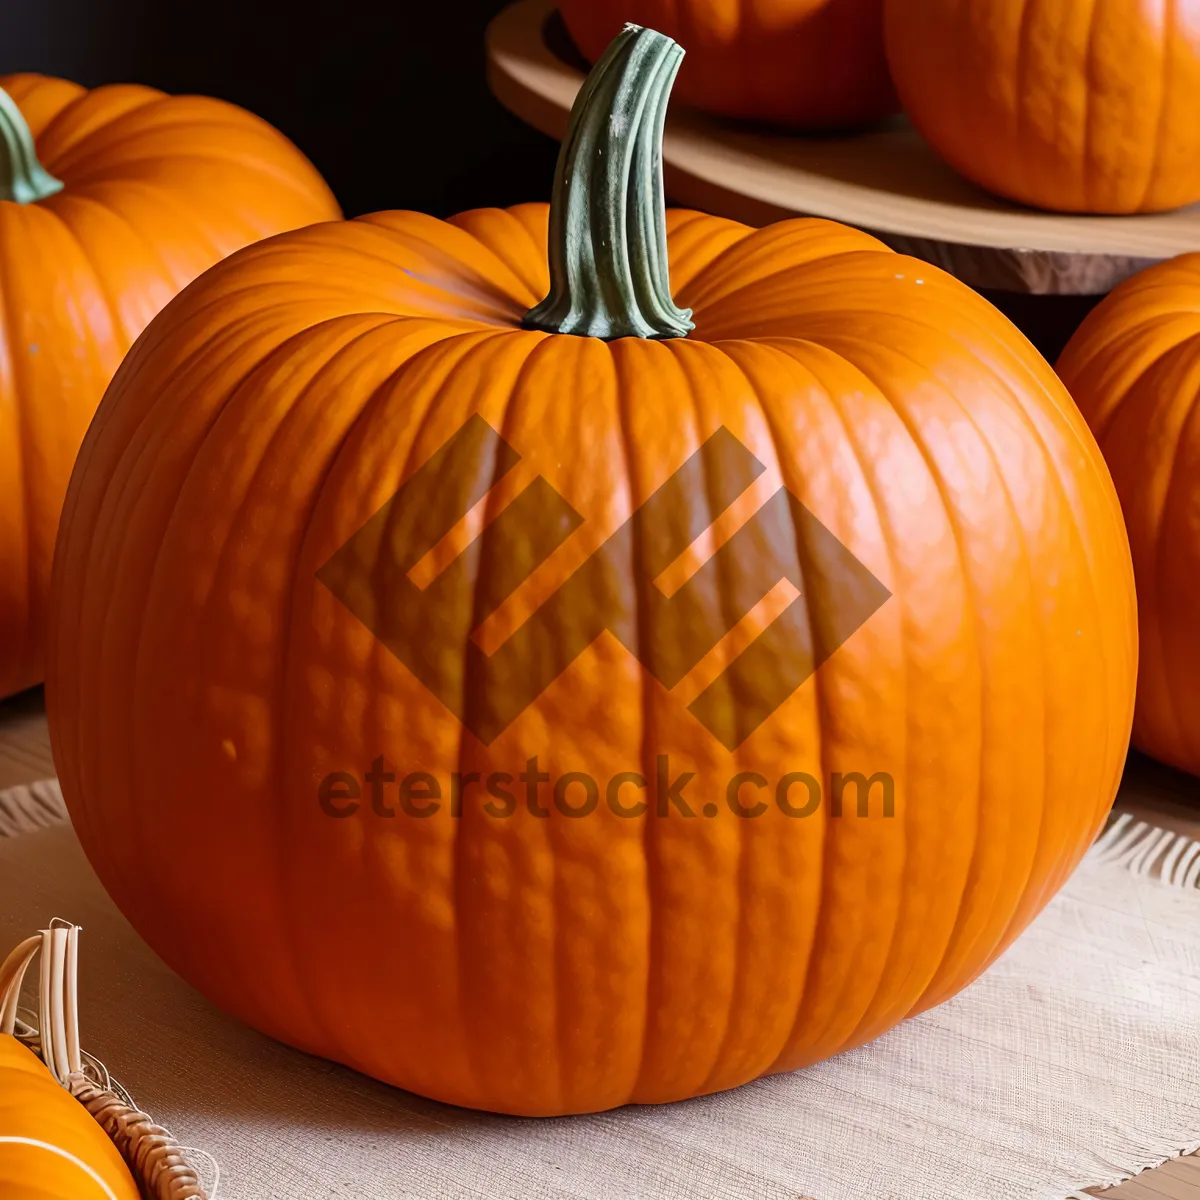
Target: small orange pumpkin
1133, 367
51, 1148
1061, 104
807, 64
110, 201
411, 801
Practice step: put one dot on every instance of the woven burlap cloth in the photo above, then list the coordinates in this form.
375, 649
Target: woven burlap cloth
1075, 1061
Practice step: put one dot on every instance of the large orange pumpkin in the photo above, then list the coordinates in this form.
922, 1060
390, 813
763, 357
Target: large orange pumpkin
1062, 104
1134, 369
810, 64
110, 202
599, 882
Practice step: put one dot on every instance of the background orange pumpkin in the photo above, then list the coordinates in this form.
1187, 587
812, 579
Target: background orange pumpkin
1134, 369
203, 681
155, 189
809, 64
1072, 106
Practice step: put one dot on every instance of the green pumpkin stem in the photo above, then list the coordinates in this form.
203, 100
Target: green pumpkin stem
22, 177
609, 276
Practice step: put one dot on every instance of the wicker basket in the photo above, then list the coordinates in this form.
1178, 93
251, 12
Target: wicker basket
158, 1163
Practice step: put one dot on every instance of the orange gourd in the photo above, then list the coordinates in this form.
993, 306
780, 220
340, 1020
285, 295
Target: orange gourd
288, 700
1061, 104
110, 202
51, 1148
807, 64
1133, 367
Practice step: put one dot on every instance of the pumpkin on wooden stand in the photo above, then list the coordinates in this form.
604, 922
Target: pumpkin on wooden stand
111, 201
286, 680
1133, 367
1065, 105
805, 64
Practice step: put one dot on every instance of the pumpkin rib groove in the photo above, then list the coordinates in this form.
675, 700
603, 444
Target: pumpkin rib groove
796, 367
823, 906
1025, 558
744, 934
505, 312
156, 433
378, 400
152, 253
695, 241
146, 170
1177, 704
1102, 422
23, 88
554, 936
131, 122
888, 536
81, 818
1160, 122
650, 856
618, 1085
187, 214
366, 405
22, 422
684, 281
136, 830
1104, 431
238, 518
1021, 72
1070, 423
77, 158
729, 617
20, 84
59, 156
110, 303
1089, 107
504, 427
446, 355
821, 934
518, 264
1134, 367
794, 271
936, 476
450, 352
1054, 478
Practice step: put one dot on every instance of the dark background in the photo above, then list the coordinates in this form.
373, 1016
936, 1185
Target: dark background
389, 100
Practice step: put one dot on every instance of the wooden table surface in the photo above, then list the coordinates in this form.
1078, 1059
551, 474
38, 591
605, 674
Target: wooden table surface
1149, 791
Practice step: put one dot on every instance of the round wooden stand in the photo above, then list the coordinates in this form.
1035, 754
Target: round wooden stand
885, 180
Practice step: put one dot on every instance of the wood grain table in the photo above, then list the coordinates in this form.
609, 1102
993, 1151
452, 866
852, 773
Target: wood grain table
885, 180
1149, 791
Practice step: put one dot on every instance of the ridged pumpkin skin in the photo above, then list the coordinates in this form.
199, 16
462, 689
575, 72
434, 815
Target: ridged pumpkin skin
50, 1146
1134, 369
203, 681
806, 64
157, 189
1075, 107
